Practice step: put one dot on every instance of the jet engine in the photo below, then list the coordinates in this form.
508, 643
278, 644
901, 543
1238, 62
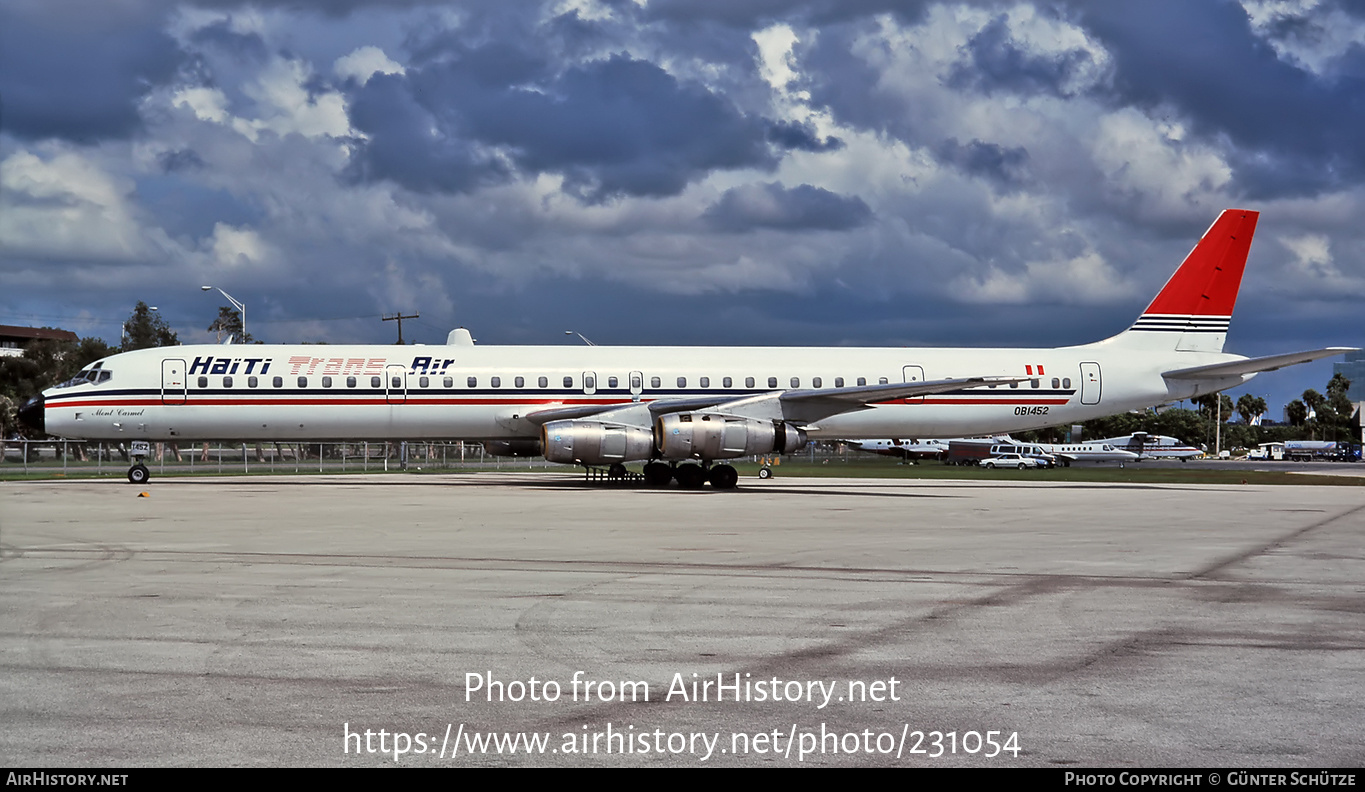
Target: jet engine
714, 436
595, 443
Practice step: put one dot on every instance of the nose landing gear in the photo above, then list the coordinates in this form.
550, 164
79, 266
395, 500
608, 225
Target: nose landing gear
138, 450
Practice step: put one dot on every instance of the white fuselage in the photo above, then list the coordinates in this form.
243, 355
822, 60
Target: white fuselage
481, 393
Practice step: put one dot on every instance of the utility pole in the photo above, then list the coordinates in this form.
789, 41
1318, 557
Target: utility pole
1218, 427
400, 317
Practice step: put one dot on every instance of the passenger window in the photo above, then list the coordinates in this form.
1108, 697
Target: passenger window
423, 382
1033, 383
725, 383
882, 381
520, 382
203, 382
326, 382
396, 383
1066, 382
448, 382
635, 381
374, 382
568, 382
1056, 383
748, 382
251, 382
1014, 384
303, 382
227, 382
796, 382
611, 382
350, 382
655, 382
496, 382
772, 382
472, 382
706, 382
682, 382
544, 382
862, 381
815, 383
278, 382
838, 382
589, 383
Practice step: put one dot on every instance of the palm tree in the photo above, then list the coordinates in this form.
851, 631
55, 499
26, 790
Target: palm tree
1250, 406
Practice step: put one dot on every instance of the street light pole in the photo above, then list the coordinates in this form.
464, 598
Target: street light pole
241, 307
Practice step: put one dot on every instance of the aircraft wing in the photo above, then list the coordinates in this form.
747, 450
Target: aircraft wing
798, 405
810, 405
1253, 365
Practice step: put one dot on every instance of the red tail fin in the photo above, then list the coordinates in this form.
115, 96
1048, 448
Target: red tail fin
1192, 311
1206, 284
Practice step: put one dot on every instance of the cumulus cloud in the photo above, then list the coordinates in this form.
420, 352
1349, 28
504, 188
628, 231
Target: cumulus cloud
615, 127
365, 62
80, 76
801, 208
67, 206
1083, 279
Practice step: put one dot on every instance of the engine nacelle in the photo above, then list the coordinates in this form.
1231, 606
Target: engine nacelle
714, 436
595, 443
512, 448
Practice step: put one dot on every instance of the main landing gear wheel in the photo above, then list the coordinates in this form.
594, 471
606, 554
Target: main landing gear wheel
690, 476
724, 477
658, 474
616, 471
138, 474
765, 472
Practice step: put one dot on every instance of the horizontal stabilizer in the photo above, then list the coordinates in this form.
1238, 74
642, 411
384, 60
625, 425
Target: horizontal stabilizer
1253, 365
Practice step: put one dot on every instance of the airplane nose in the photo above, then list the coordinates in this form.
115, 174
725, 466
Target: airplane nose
32, 413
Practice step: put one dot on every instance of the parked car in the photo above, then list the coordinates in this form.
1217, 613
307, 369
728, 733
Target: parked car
1009, 460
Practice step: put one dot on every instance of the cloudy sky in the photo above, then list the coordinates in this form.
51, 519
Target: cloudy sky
681, 171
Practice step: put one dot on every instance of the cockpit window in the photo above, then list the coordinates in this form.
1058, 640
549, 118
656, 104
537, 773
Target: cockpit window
93, 375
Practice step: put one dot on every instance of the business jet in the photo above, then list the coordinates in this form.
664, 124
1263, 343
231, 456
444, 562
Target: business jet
682, 411
1067, 453
909, 450
1060, 453
1150, 446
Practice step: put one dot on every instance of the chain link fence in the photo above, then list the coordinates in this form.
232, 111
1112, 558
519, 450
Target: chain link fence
72, 457
86, 458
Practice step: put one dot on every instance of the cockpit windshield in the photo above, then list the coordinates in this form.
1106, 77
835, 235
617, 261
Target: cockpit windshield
94, 375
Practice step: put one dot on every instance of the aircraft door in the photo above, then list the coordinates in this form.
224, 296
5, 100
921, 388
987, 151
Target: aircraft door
173, 381
637, 384
914, 374
1090, 383
395, 384
589, 382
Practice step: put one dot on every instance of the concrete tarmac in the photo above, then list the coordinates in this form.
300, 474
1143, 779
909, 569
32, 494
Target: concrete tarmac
277, 621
